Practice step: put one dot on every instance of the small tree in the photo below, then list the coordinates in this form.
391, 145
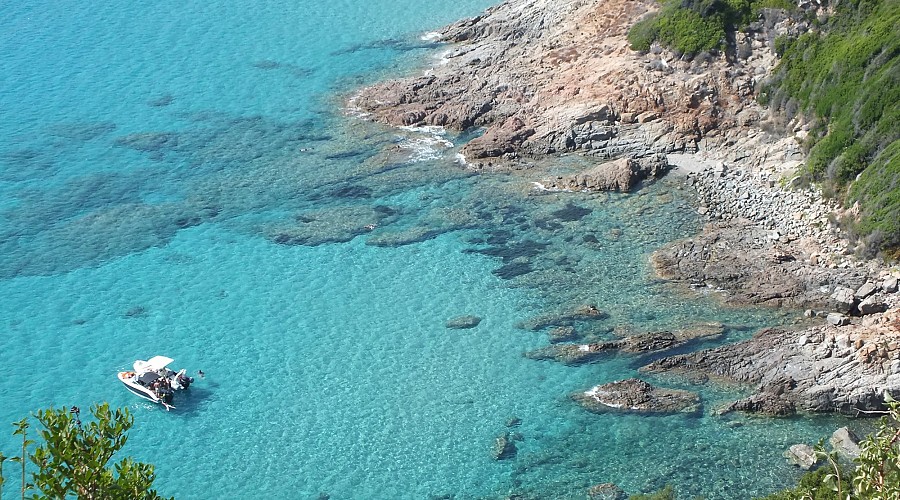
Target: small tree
878, 472
73, 457
875, 474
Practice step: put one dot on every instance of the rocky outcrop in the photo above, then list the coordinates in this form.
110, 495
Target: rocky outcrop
820, 369
554, 76
618, 175
742, 259
634, 395
644, 343
546, 77
500, 141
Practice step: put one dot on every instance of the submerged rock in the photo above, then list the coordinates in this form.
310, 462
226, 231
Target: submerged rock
635, 395
332, 225
606, 491
585, 312
149, 141
574, 354
463, 322
563, 334
504, 447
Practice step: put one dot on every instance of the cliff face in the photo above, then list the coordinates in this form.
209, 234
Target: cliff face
552, 76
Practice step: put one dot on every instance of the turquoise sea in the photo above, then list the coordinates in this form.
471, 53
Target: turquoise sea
181, 178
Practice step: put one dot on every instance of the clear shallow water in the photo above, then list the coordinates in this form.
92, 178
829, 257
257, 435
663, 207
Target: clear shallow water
175, 178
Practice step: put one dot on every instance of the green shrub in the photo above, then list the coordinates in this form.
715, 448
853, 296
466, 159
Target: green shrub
875, 474
847, 79
642, 35
693, 26
811, 486
72, 459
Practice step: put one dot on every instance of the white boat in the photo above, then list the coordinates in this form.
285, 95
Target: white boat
154, 381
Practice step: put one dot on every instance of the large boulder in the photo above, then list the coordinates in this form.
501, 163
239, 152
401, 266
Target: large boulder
618, 175
634, 395
498, 140
843, 300
871, 305
837, 319
802, 455
868, 288
845, 443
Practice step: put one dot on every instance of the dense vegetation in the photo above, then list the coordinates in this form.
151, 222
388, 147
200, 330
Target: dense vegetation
844, 74
875, 474
71, 458
693, 26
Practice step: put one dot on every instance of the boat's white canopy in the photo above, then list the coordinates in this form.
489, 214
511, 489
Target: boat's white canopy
153, 364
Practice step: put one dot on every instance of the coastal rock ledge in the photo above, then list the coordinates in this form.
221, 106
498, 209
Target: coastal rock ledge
638, 396
820, 369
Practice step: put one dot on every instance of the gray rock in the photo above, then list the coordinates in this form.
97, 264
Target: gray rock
802, 455
845, 443
867, 289
843, 300
828, 374
773, 399
872, 305
889, 285
837, 319
463, 322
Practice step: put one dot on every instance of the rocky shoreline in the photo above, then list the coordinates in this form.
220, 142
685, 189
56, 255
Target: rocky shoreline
548, 77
